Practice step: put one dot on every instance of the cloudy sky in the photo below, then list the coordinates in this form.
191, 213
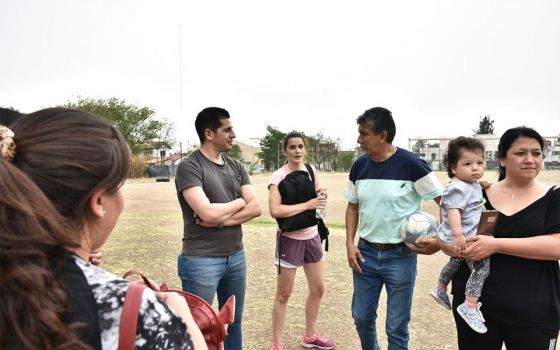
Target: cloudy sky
306, 65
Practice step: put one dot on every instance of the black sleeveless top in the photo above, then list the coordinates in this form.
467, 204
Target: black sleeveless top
82, 304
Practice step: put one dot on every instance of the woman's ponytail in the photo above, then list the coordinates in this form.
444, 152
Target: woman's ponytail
33, 304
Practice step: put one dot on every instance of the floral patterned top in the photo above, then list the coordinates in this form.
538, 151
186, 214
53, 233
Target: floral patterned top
158, 326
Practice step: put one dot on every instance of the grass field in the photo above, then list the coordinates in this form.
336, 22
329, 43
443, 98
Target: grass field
148, 236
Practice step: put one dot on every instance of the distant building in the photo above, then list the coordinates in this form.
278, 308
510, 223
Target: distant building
167, 159
249, 155
432, 150
156, 153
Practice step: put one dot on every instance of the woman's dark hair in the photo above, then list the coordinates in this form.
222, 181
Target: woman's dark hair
456, 147
70, 155
62, 157
291, 135
34, 306
509, 137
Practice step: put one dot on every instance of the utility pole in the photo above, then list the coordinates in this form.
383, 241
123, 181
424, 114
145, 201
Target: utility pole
180, 72
181, 85
278, 155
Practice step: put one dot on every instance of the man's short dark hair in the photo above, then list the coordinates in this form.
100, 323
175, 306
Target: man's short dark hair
209, 118
379, 119
8, 116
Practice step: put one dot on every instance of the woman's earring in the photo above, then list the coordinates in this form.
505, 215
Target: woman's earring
104, 212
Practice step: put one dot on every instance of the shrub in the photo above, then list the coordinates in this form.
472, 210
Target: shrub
138, 167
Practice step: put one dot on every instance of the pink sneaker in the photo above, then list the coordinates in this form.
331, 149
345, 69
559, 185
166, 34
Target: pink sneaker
276, 347
317, 341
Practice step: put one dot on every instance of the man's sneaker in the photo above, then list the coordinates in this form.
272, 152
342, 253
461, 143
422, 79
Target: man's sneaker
276, 347
317, 341
473, 317
440, 295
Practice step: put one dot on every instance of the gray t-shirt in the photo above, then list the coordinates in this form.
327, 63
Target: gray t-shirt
221, 183
467, 197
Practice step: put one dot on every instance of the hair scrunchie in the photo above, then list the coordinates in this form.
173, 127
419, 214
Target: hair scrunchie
7, 144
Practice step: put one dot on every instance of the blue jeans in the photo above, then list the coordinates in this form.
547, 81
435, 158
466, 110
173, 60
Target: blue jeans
204, 276
396, 269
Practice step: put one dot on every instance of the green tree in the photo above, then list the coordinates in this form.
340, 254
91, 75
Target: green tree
485, 126
235, 152
322, 150
345, 160
419, 146
137, 124
271, 148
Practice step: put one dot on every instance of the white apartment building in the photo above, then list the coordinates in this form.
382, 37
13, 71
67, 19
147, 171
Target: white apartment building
435, 147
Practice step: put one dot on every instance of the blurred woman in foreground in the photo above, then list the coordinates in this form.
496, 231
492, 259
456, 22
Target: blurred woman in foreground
61, 195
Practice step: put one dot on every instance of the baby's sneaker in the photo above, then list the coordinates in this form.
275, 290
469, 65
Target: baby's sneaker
473, 317
276, 347
440, 295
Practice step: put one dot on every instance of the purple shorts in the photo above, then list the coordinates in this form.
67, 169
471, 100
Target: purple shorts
296, 253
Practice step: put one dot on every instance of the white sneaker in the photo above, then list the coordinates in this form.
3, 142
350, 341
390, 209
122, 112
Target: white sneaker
441, 297
473, 317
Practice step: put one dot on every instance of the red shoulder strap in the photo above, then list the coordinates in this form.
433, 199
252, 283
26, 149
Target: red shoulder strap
129, 317
211, 324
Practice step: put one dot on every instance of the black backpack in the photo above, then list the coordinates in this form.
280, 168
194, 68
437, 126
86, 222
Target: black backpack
297, 187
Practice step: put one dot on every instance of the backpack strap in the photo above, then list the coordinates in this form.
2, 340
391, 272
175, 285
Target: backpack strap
278, 242
321, 224
311, 173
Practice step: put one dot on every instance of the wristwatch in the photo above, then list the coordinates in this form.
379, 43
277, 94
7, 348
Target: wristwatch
221, 225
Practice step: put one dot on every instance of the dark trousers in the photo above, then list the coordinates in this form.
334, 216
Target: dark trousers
514, 337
